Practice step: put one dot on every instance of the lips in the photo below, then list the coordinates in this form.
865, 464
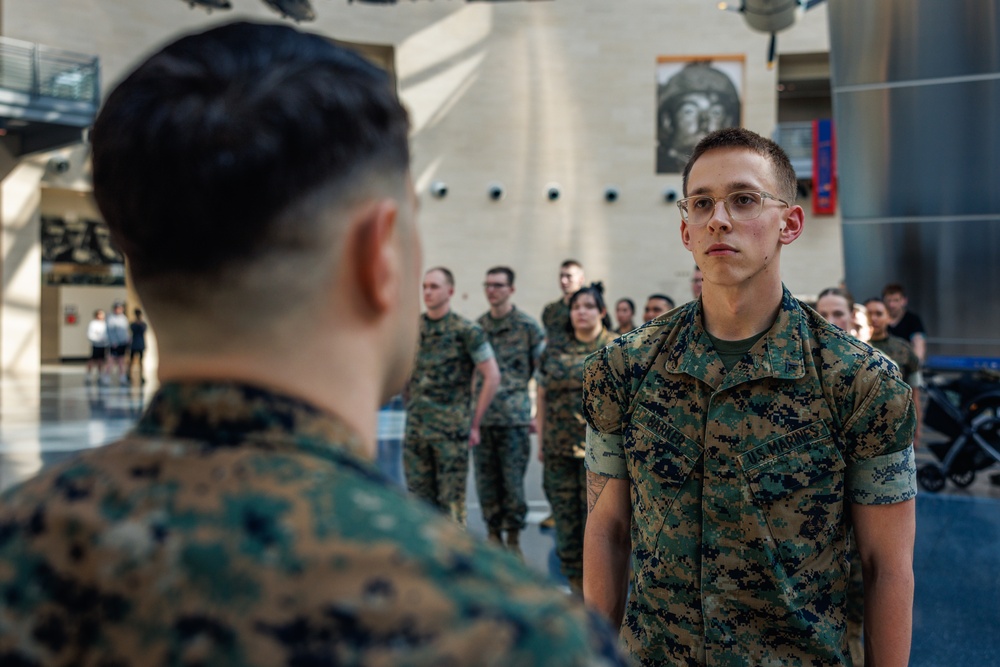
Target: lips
720, 249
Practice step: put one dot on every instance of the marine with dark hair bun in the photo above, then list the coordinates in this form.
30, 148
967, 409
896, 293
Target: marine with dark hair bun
562, 429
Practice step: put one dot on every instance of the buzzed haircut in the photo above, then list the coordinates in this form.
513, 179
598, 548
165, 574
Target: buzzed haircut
663, 297
507, 271
739, 137
570, 263
893, 288
874, 299
203, 155
630, 302
448, 276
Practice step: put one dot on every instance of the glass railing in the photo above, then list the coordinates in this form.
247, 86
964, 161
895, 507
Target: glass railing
45, 72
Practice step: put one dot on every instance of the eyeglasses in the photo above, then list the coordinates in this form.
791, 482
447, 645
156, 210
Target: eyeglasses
742, 205
495, 285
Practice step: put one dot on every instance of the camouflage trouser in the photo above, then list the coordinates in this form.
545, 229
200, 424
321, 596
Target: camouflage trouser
501, 458
565, 482
437, 471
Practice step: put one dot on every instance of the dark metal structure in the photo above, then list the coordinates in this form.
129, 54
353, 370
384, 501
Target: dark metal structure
916, 96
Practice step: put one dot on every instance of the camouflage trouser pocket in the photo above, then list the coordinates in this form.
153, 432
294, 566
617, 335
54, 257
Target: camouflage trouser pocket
660, 459
797, 481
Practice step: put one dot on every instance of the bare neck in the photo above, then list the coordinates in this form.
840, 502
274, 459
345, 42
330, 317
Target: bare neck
318, 372
734, 313
439, 312
497, 312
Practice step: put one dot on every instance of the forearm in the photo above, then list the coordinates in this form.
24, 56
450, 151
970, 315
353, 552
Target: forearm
486, 394
886, 535
888, 615
919, 346
605, 572
607, 546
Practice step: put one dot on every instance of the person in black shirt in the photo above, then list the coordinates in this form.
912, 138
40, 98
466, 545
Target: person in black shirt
903, 323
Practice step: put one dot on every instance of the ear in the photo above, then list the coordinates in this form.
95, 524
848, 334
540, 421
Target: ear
685, 235
373, 253
794, 222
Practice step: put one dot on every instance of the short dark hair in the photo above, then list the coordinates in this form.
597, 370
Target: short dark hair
448, 275
837, 291
893, 288
664, 297
506, 270
137, 312
739, 137
570, 262
202, 154
874, 299
630, 302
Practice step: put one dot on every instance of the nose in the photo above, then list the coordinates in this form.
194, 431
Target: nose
720, 221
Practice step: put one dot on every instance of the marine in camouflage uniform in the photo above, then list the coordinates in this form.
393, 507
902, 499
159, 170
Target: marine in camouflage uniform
555, 316
235, 526
439, 411
555, 320
563, 437
501, 458
741, 481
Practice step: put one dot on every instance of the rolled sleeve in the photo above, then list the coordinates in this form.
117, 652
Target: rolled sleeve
882, 480
482, 353
605, 455
603, 401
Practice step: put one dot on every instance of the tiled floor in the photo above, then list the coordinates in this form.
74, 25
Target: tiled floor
957, 560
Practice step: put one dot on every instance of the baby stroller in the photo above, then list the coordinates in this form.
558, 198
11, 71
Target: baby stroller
966, 410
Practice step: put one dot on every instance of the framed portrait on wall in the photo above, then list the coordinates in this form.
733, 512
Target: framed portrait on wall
695, 95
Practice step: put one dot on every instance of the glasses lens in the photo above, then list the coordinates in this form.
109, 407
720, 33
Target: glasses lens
699, 209
744, 205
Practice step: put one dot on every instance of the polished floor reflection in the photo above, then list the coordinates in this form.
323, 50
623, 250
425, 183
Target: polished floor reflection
957, 559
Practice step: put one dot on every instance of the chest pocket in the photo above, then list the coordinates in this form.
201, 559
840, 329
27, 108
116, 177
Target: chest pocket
797, 482
662, 458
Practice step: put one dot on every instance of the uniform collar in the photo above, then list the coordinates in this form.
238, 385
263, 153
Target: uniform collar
778, 354
229, 414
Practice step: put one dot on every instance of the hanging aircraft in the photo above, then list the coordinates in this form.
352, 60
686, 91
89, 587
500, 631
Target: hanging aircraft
770, 16
297, 10
209, 5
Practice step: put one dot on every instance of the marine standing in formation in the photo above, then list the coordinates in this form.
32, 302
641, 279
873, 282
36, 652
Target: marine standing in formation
241, 522
562, 429
733, 443
441, 422
555, 316
501, 458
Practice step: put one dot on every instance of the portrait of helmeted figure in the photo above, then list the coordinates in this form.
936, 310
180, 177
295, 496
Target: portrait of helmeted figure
694, 97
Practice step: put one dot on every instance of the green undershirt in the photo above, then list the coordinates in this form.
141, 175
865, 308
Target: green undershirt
731, 351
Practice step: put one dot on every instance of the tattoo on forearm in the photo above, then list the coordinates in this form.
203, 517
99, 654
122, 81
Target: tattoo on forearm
595, 485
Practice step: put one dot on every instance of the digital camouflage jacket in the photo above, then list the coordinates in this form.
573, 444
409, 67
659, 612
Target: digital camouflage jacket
741, 482
237, 527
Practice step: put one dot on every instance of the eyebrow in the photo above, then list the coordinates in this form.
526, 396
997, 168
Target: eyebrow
735, 186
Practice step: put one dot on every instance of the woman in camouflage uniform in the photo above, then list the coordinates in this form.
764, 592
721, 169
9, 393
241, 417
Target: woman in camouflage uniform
562, 432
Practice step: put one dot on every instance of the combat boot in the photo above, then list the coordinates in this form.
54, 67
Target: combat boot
495, 537
514, 543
